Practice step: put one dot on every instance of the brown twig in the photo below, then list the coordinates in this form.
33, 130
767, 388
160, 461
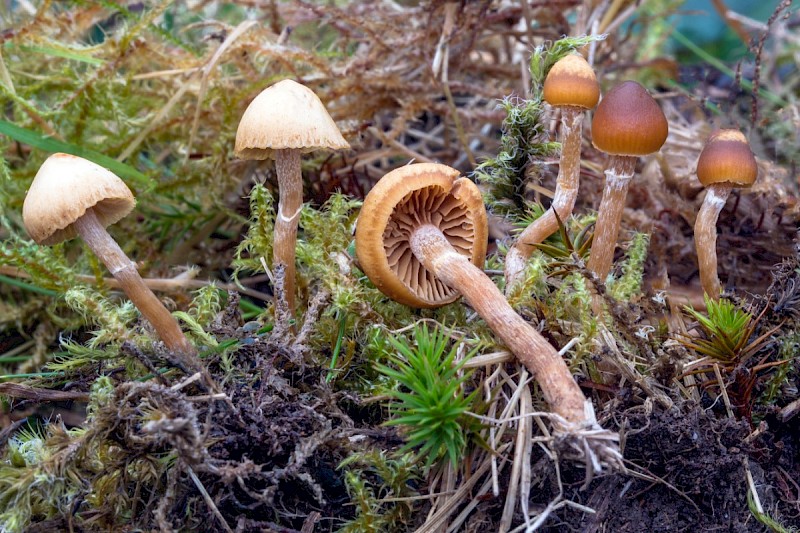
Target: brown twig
26, 392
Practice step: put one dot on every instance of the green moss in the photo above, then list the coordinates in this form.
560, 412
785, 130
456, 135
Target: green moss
629, 284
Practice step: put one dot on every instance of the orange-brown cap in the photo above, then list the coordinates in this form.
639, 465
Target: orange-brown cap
286, 115
571, 82
726, 158
63, 189
405, 198
629, 122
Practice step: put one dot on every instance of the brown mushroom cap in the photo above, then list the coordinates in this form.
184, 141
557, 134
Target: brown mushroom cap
63, 189
629, 122
726, 158
406, 198
286, 115
571, 82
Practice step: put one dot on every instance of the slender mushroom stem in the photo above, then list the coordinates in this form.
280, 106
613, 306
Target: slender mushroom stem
609, 214
563, 201
122, 268
705, 236
434, 251
290, 185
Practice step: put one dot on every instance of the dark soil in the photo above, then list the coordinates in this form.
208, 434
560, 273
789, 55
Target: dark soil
269, 457
699, 461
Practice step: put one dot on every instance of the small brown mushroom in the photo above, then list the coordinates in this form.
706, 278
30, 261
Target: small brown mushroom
71, 196
284, 121
572, 87
725, 162
627, 124
421, 238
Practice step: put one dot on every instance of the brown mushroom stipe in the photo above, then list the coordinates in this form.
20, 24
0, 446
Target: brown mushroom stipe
725, 162
571, 86
282, 122
627, 124
72, 196
421, 239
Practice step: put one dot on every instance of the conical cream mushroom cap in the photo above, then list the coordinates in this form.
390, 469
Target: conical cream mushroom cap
286, 115
63, 189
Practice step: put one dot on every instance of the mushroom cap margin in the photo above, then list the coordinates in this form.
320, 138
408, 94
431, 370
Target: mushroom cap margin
727, 158
64, 188
378, 208
571, 82
286, 115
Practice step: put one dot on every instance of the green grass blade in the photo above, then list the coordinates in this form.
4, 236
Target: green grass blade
32, 375
27, 286
14, 359
66, 53
725, 69
48, 144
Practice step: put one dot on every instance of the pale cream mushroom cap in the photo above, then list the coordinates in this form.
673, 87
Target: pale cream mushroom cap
63, 189
286, 115
404, 199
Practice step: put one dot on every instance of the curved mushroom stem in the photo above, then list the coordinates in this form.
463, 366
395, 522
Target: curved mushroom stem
609, 214
290, 187
705, 237
433, 250
563, 200
124, 271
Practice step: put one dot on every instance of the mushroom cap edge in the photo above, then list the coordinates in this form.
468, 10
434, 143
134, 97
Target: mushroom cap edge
286, 115
629, 122
63, 189
726, 158
378, 208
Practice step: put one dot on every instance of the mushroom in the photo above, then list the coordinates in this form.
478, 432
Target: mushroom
282, 122
627, 124
572, 87
71, 196
725, 162
421, 238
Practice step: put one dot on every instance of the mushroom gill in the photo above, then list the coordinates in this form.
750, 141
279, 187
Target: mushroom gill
431, 205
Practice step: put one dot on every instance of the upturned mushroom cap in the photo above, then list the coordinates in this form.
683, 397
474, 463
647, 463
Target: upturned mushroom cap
571, 82
726, 158
404, 199
286, 115
629, 122
63, 189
